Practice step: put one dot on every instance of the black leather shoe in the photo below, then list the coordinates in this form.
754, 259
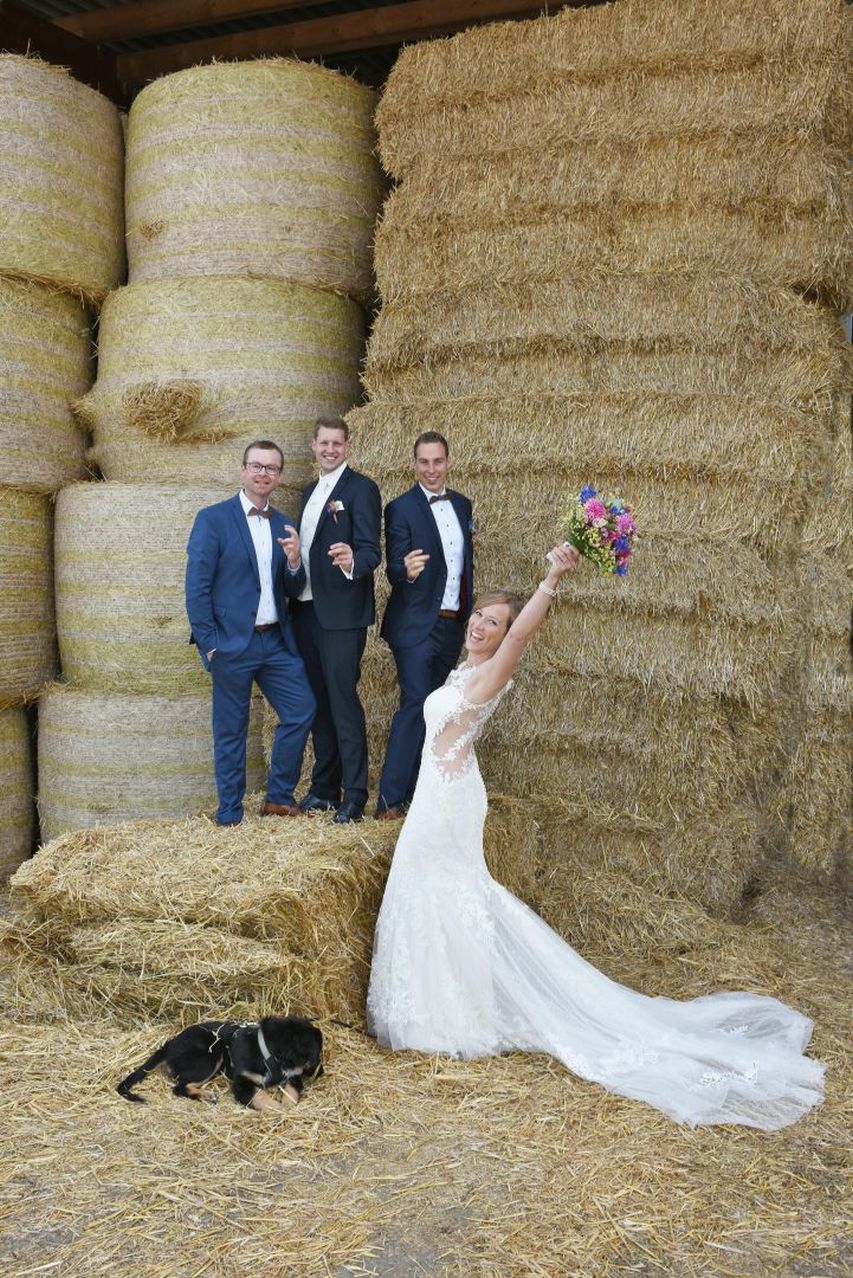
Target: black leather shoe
313, 803
349, 811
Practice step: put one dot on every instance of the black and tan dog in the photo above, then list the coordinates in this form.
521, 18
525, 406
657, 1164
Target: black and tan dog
278, 1051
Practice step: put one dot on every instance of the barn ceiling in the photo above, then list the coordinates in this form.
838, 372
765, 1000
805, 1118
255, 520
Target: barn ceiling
134, 41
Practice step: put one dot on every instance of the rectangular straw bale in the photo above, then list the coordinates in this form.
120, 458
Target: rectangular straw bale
637, 45
763, 243
179, 918
599, 313
750, 459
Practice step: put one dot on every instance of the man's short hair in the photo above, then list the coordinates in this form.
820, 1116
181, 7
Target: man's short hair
267, 445
331, 423
430, 437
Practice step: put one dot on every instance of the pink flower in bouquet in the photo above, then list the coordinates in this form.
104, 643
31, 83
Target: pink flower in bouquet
624, 525
596, 510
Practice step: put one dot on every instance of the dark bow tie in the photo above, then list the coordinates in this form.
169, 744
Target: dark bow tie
439, 497
262, 514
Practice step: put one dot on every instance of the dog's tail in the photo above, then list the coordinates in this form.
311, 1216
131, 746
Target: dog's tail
123, 1088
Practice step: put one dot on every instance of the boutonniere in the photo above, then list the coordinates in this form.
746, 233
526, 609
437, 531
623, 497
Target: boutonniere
472, 528
333, 508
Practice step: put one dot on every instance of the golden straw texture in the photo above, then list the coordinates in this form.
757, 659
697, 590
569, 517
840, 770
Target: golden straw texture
262, 169
120, 562
17, 809
45, 364
61, 156
192, 370
107, 757
27, 641
174, 918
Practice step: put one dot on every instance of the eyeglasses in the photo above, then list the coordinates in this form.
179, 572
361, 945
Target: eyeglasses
257, 467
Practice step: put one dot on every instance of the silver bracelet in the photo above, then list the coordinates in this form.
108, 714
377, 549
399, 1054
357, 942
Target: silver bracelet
546, 590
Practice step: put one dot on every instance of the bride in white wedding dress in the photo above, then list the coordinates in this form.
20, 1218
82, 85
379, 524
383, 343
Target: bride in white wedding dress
462, 967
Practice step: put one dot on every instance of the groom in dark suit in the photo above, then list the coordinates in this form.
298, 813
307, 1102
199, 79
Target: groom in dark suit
429, 563
340, 528
243, 566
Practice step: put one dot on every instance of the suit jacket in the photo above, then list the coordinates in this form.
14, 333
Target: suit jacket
414, 605
223, 585
341, 604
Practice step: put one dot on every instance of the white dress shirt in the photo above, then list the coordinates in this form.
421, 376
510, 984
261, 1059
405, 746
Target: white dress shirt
453, 545
262, 540
310, 519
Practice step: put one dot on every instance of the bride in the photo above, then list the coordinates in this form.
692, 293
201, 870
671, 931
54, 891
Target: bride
461, 967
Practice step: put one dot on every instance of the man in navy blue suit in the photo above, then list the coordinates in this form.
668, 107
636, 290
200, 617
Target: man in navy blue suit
244, 564
429, 563
340, 527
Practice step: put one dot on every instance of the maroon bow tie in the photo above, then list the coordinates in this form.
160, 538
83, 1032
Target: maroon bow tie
262, 514
438, 497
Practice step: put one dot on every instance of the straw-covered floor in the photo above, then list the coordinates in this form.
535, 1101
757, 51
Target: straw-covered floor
397, 1164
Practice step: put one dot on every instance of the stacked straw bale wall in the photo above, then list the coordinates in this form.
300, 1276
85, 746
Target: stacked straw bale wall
61, 248
262, 169
16, 790
110, 756
638, 300
61, 172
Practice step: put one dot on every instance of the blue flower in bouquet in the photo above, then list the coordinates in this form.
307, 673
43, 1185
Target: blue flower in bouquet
622, 543
587, 492
621, 569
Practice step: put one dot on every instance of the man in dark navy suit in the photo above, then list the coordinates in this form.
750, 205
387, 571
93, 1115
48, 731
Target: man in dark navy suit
429, 563
244, 564
340, 529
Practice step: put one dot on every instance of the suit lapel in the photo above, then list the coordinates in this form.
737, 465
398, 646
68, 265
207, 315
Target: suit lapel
429, 522
239, 516
335, 495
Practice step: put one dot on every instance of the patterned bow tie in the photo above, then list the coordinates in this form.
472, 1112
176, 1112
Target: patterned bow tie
438, 497
262, 514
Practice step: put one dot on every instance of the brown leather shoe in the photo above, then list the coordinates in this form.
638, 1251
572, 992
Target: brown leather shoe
389, 814
280, 809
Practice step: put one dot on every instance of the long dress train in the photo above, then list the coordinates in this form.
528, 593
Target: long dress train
462, 967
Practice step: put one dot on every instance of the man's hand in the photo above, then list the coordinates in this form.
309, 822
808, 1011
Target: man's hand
290, 546
342, 556
415, 562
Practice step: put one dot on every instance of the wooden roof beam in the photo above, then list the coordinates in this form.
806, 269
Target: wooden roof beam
140, 18
344, 33
21, 31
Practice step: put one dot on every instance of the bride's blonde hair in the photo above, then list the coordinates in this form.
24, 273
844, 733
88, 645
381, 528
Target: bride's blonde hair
515, 603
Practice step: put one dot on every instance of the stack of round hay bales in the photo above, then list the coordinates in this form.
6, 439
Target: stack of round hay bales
622, 304
251, 194
61, 251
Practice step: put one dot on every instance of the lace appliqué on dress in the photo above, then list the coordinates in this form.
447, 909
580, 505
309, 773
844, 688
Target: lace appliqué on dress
449, 742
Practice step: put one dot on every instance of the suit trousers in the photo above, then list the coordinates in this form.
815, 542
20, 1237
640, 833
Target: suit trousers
420, 670
281, 677
339, 734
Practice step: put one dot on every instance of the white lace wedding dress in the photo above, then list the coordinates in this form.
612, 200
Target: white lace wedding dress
461, 967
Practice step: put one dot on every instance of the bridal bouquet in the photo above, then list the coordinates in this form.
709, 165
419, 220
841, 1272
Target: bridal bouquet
602, 529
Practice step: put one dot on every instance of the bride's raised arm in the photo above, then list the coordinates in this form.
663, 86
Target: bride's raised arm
494, 673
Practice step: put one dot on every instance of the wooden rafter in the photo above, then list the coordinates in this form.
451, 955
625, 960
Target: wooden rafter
140, 18
342, 33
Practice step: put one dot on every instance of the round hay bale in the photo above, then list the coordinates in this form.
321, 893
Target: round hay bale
61, 199
107, 757
262, 169
17, 810
45, 364
192, 370
120, 563
27, 639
